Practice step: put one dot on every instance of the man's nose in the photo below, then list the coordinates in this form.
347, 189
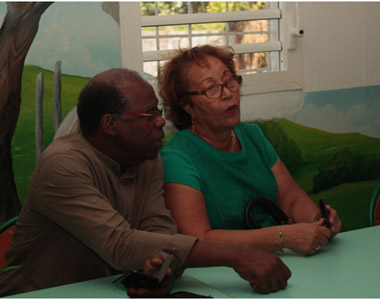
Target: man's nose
159, 121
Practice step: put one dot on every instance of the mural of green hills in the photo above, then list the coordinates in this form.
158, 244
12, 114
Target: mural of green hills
317, 147
351, 200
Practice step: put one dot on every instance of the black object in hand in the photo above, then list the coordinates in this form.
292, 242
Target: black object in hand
322, 206
134, 278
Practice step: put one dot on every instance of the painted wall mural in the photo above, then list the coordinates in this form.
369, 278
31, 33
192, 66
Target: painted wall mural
80, 34
334, 140
68, 33
340, 111
338, 133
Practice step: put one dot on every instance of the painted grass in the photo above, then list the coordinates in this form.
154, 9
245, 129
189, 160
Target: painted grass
318, 147
23, 143
350, 200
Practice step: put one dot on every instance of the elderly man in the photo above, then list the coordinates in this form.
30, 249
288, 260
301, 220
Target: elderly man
95, 205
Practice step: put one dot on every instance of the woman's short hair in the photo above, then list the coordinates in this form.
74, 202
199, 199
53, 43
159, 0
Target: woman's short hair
172, 79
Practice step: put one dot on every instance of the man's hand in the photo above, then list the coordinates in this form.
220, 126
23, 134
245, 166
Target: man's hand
264, 271
151, 264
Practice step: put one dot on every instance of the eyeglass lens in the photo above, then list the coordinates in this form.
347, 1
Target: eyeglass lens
216, 90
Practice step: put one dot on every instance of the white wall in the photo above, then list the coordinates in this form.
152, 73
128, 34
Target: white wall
341, 45
340, 49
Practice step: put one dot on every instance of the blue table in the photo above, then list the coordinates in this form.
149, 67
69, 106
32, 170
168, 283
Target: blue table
348, 267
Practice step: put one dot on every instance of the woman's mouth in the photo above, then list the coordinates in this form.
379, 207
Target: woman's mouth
232, 109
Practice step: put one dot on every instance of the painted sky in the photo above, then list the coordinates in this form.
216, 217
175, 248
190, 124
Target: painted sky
80, 34
342, 111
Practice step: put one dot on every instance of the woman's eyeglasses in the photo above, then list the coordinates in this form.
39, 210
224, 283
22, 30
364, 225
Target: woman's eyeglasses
215, 90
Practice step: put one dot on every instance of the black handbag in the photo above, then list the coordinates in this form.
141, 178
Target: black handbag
269, 206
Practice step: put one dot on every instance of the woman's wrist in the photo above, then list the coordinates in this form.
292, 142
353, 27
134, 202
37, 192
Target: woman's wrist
280, 239
316, 217
286, 235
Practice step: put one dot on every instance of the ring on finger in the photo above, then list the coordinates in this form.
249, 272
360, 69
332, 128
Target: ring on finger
317, 248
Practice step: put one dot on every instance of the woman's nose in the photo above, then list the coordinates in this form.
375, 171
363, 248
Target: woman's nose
226, 93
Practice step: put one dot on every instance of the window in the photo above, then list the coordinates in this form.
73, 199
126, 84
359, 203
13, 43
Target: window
261, 33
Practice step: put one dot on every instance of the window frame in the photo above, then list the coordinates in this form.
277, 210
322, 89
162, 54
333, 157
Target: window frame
289, 78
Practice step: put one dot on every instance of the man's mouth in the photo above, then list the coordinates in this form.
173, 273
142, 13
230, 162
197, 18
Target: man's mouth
159, 140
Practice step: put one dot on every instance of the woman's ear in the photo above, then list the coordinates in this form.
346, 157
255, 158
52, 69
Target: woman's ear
108, 124
189, 109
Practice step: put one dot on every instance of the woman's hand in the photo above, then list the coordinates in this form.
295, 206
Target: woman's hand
335, 222
305, 238
163, 290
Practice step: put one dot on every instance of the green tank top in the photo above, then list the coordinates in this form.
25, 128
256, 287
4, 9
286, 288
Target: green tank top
226, 180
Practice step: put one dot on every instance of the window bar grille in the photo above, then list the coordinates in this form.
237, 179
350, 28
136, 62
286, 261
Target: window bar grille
272, 32
273, 28
158, 62
190, 29
227, 32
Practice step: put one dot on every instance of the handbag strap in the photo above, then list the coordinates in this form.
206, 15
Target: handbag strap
269, 206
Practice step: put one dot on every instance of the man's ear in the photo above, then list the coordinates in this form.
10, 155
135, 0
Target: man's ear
108, 124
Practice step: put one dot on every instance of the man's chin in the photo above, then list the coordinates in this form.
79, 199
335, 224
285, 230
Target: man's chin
152, 156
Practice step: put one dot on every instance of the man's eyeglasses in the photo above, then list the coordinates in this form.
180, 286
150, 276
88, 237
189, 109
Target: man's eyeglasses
215, 90
156, 112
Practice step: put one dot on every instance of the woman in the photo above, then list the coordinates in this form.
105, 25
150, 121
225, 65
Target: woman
215, 164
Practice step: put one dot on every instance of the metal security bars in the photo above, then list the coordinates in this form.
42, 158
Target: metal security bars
251, 29
269, 55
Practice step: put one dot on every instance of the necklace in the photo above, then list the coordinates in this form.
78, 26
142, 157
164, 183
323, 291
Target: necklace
233, 137
233, 143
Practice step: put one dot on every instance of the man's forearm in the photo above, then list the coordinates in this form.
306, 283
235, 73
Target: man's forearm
211, 254
263, 270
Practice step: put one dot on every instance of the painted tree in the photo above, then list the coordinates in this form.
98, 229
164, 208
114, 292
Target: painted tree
17, 33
